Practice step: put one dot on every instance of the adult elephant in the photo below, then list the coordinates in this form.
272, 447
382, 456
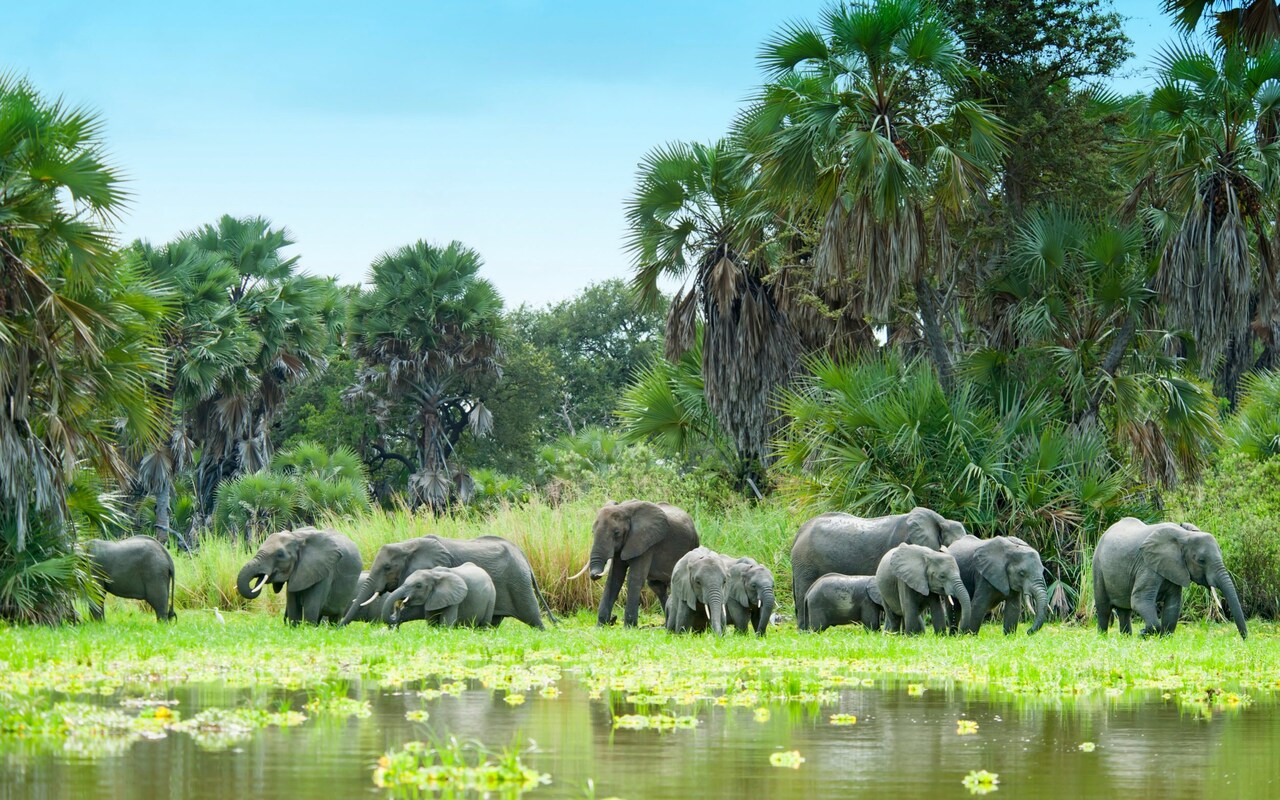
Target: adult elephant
849, 545
318, 570
1000, 569
137, 568
639, 542
517, 592
699, 584
1144, 568
911, 577
376, 611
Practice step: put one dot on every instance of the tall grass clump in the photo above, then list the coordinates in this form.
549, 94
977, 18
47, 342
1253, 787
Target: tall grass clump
880, 436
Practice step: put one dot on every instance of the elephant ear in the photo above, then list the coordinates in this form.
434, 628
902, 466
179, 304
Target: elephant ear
991, 565
682, 586
873, 591
909, 568
319, 557
450, 589
922, 529
738, 586
1162, 552
648, 529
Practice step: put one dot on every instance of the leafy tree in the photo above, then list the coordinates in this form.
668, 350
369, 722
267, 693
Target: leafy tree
1040, 60
1203, 152
528, 402
1255, 23
77, 344
427, 330
696, 215
866, 121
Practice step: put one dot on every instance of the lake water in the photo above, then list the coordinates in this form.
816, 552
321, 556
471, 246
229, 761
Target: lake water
902, 745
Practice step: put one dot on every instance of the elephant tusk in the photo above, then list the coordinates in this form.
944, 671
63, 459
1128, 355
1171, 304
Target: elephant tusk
579, 573
262, 581
372, 597
707, 610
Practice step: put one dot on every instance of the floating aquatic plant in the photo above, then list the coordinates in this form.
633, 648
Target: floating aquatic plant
981, 782
419, 768
843, 719
1087, 747
965, 727
786, 758
654, 722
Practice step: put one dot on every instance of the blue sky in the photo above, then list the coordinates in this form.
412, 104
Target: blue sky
512, 125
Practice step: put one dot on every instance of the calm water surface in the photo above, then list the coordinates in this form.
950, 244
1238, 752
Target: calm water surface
902, 746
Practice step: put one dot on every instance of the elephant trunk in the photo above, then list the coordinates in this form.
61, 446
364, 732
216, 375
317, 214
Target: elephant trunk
961, 595
1041, 596
1223, 583
600, 556
391, 606
767, 604
244, 581
364, 594
715, 609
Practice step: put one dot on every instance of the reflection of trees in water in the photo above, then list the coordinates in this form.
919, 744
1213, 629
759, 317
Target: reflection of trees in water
901, 744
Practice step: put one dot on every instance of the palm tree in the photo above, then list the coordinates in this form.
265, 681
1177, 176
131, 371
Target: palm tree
1204, 154
1254, 23
77, 350
697, 215
863, 123
427, 329
291, 321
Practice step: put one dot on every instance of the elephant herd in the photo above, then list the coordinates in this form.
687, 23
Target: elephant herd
880, 572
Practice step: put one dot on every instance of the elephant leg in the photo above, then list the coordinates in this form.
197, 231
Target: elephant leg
449, 617
159, 602
1172, 608
612, 587
660, 589
292, 608
892, 622
1124, 620
1101, 603
911, 623
639, 572
525, 600
979, 607
1146, 590
313, 601
938, 614
871, 617
1012, 613
802, 579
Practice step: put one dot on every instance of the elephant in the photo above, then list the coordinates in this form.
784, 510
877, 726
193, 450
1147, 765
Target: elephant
317, 568
749, 600
375, 611
137, 568
1143, 568
639, 542
462, 595
849, 545
910, 576
517, 589
699, 583
1002, 568
836, 599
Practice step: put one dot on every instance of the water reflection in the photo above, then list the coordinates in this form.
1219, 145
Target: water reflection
1146, 746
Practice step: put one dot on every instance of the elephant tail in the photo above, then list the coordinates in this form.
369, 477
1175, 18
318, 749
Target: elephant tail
542, 599
173, 572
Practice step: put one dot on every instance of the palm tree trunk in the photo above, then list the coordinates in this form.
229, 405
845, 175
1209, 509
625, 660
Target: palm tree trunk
930, 321
164, 498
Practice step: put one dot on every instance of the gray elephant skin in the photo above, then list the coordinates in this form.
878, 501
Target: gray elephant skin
749, 600
446, 596
1000, 569
849, 545
836, 599
373, 612
911, 578
637, 542
1144, 568
137, 568
699, 583
517, 590
318, 569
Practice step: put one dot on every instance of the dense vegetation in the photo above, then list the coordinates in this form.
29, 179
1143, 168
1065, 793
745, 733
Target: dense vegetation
934, 261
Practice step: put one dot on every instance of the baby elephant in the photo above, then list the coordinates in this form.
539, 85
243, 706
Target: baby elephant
447, 596
699, 582
137, 568
911, 576
1000, 569
836, 599
749, 602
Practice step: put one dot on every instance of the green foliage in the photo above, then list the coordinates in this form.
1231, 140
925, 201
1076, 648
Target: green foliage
880, 436
570, 459
1255, 428
1239, 502
305, 483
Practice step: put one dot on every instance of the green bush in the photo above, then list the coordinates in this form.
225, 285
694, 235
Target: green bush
1239, 502
1255, 428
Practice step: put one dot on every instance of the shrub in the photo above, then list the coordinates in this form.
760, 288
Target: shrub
1255, 429
1239, 502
